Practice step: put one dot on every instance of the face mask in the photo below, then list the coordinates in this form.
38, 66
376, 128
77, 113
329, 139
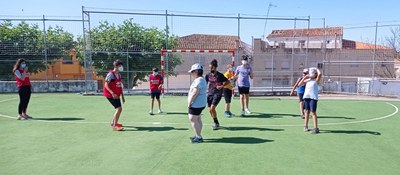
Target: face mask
155, 73
244, 62
23, 65
121, 68
213, 71
232, 69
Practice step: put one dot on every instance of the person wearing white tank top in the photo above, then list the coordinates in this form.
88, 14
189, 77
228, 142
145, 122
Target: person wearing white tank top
311, 97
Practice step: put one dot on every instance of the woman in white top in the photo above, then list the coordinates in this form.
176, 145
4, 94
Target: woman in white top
197, 101
311, 97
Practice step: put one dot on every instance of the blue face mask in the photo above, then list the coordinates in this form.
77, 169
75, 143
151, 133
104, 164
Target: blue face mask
23, 65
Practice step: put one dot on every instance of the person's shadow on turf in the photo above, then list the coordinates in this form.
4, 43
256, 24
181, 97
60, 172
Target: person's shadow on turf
350, 132
152, 129
266, 115
244, 128
238, 140
59, 119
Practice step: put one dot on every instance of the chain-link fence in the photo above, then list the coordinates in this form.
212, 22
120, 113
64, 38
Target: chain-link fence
84, 48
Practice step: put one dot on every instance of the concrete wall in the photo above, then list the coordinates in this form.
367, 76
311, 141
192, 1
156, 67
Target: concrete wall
52, 86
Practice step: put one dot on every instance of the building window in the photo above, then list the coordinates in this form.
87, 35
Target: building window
302, 43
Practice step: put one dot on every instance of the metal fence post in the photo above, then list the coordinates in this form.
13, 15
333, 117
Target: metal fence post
373, 59
45, 52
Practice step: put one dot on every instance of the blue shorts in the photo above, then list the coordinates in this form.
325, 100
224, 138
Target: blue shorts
300, 95
310, 104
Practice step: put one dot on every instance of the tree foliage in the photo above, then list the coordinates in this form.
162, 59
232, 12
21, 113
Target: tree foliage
26, 41
137, 46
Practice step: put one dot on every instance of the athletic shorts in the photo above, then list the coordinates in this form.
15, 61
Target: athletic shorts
300, 96
244, 90
310, 104
155, 94
115, 102
195, 111
228, 95
213, 99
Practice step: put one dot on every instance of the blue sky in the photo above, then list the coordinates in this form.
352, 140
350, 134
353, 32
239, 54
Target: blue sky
345, 13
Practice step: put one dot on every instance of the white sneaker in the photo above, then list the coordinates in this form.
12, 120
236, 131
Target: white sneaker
242, 113
248, 111
151, 112
160, 111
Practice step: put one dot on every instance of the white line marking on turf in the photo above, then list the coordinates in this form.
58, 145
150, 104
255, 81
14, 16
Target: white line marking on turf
251, 125
7, 100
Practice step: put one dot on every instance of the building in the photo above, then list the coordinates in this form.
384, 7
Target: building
341, 60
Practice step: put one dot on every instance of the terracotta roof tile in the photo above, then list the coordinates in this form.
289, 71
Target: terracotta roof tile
349, 44
202, 41
330, 31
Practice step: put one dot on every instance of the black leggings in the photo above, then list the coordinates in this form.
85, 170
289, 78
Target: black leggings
24, 97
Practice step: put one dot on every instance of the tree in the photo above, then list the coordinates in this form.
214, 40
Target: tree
138, 47
26, 41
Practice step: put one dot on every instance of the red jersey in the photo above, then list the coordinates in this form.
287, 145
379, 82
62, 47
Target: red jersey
115, 86
25, 82
155, 82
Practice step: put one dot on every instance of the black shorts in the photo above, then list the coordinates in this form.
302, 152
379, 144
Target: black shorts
300, 95
155, 94
213, 99
310, 104
195, 111
244, 90
115, 102
228, 95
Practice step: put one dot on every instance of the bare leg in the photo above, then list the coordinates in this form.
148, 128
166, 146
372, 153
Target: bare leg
159, 104
247, 100
196, 124
152, 104
306, 118
116, 115
301, 108
315, 119
228, 107
242, 101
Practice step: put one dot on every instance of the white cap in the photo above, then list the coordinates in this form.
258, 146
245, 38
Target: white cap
313, 70
196, 66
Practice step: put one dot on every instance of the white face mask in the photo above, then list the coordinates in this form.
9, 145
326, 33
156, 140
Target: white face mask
244, 62
155, 73
23, 65
121, 68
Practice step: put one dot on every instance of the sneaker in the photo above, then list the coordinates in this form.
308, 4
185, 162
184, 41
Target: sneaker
215, 126
151, 113
118, 128
315, 131
248, 111
160, 111
199, 138
19, 117
242, 113
118, 125
28, 117
306, 129
196, 139
227, 114
230, 113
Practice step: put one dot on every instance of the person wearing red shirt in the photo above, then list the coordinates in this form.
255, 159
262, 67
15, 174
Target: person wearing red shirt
24, 88
156, 82
113, 91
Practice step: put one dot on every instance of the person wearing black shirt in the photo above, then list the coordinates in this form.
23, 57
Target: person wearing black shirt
216, 82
